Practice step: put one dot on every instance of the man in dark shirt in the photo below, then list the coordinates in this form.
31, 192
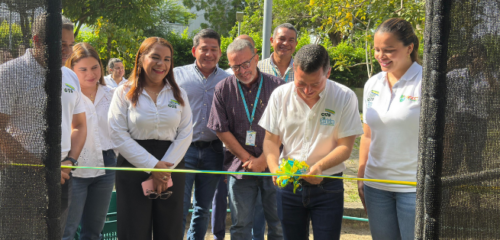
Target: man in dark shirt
238, 104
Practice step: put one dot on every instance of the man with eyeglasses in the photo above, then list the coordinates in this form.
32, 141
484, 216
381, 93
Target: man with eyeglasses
116, 72
238, 104
205, 153
219, 204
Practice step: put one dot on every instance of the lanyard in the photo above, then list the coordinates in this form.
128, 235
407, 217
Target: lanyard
250, 119
276, 74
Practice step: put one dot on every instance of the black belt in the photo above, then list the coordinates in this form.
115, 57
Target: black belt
203, 144
325, 180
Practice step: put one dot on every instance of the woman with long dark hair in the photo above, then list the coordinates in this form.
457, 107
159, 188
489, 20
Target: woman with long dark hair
150, 120
389, 145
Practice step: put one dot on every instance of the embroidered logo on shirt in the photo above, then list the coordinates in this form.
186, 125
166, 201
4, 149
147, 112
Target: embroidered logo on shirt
329, 111
69, 88
411, 98
325, 119
173, 103
371, 97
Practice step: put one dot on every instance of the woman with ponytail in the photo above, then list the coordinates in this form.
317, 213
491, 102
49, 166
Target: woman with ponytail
150, 121
389, 145
91, 189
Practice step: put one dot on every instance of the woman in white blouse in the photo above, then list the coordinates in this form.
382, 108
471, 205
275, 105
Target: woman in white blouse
91, 190
151, 127
389, 145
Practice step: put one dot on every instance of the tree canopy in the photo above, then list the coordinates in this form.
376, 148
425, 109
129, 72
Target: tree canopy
130, 14
220, 14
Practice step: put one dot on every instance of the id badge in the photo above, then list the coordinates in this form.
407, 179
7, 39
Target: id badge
250, 141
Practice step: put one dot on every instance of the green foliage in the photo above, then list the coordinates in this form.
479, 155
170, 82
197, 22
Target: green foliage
221, 14
17, 36
26, 15
122, 36
122, 13
182, 44
347, 67
223, 61
111, 41
303, 39
125, 44
337, 21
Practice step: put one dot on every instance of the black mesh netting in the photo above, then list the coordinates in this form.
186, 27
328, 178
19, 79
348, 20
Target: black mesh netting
459, 169
458, 196
30, 119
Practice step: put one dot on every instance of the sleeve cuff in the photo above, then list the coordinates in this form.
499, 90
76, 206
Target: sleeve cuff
150, 163
356, 133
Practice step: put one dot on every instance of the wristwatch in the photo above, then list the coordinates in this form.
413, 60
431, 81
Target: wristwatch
72, 160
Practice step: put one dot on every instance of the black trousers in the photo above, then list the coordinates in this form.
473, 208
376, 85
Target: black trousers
140, 218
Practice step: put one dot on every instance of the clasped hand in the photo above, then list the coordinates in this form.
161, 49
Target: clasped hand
160, 179
255, 164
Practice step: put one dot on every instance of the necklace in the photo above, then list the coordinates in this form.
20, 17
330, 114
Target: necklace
92, 96
150, 92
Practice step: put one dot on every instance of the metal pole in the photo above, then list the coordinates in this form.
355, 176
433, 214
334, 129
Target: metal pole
239, 27
266, 29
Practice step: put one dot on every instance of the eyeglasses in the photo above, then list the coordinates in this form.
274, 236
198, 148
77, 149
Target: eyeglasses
162, 196
244, 65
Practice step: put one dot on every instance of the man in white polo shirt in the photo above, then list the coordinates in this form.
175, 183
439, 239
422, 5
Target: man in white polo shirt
317, 121
22, 120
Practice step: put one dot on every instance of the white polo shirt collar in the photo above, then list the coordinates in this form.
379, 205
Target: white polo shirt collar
393, 117
309, 134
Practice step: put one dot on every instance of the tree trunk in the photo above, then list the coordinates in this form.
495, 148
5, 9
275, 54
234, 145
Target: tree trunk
77, 30
25, 28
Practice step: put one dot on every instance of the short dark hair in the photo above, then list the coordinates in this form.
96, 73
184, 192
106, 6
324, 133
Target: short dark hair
310, 58
403, 30
112, 61
205, 33
38, 26
67, 24
287, 26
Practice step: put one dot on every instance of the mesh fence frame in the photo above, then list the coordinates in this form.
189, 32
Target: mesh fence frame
458, 192
30, 196
457, 195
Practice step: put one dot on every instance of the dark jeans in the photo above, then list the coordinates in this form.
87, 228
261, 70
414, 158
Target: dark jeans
242, 200
65, 201
219, 213
89, 202
138, 216
323, 204
206, 157
219, 210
